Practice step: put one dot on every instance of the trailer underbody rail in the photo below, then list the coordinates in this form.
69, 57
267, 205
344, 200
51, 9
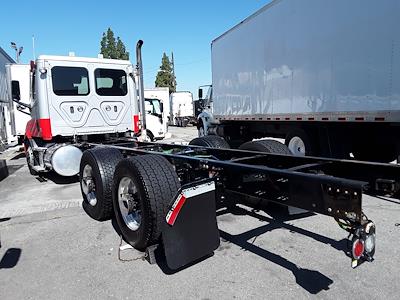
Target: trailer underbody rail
325, 186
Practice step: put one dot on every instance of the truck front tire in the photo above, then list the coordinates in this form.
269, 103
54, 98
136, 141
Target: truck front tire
143, 188
96, 178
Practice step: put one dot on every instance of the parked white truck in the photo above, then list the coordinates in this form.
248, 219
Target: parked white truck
182, 111
323, 75
18, 81
74, 100
157, 112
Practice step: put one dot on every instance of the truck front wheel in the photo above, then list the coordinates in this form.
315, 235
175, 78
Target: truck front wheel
143, 188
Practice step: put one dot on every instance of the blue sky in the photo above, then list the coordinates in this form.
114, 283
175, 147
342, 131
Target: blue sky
184, 27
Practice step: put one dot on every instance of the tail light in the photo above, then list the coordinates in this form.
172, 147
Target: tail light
358, 248
363, 243
135, 123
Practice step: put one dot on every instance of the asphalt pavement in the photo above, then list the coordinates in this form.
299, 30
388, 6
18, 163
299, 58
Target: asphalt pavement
52, 250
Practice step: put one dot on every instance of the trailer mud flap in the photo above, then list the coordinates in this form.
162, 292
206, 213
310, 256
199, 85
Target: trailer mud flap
190, 231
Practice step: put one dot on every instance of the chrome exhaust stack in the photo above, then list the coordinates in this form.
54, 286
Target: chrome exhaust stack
140, 87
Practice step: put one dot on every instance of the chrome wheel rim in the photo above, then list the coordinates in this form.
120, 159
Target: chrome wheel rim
297, 146
88, 185
128, 202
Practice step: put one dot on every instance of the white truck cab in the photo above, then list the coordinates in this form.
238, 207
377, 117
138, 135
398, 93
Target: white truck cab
157, 111
182, 108
75, 100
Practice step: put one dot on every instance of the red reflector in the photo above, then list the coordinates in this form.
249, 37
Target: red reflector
173, 213
45, 128
358, 249
135, 123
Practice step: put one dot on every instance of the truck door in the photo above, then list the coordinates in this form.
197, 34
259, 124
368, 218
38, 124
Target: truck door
154, 119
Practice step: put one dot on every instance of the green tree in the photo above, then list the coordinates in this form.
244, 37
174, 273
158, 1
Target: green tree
111, 47
165, 76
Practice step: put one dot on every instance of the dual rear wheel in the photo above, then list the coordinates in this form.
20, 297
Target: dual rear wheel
136, 190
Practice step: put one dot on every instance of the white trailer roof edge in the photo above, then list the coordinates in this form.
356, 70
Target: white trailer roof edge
265, 7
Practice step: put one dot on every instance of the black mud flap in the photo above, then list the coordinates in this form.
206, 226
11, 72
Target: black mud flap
191, 232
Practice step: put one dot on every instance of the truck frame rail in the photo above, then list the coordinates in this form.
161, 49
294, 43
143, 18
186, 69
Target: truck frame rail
326, 186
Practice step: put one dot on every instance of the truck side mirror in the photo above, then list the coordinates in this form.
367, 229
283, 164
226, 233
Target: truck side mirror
15, 91
200, 94
162, 107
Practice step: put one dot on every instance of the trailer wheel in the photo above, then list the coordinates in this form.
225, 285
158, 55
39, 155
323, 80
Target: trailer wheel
143, 188
267, 146
299, 143
96, 177
211, 141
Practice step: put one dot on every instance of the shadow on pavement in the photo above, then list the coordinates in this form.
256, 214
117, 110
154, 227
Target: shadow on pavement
10, 258
57, 179
3, 169
14, 168
18, 156
310, 280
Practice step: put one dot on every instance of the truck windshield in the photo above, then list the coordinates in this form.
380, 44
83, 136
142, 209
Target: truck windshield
153, 106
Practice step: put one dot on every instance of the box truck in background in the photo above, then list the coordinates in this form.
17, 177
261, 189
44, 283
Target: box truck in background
182, 111
18, 87
323, 75
157, 112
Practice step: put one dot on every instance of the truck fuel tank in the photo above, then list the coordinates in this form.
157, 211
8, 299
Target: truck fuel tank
63, 159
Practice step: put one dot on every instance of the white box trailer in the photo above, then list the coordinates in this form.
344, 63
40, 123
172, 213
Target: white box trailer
182, 111
157, 112
18, 83
324, 75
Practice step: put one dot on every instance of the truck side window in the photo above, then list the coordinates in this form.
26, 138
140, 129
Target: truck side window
110, 82
16, 95
70, 81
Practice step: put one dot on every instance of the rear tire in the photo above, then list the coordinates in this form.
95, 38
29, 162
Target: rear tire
210, 141
96, 178
274, 147
141, 208
267, 146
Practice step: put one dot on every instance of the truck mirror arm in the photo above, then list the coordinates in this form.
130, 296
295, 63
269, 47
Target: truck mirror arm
23, 104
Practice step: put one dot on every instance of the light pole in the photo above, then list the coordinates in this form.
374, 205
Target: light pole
18, 51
